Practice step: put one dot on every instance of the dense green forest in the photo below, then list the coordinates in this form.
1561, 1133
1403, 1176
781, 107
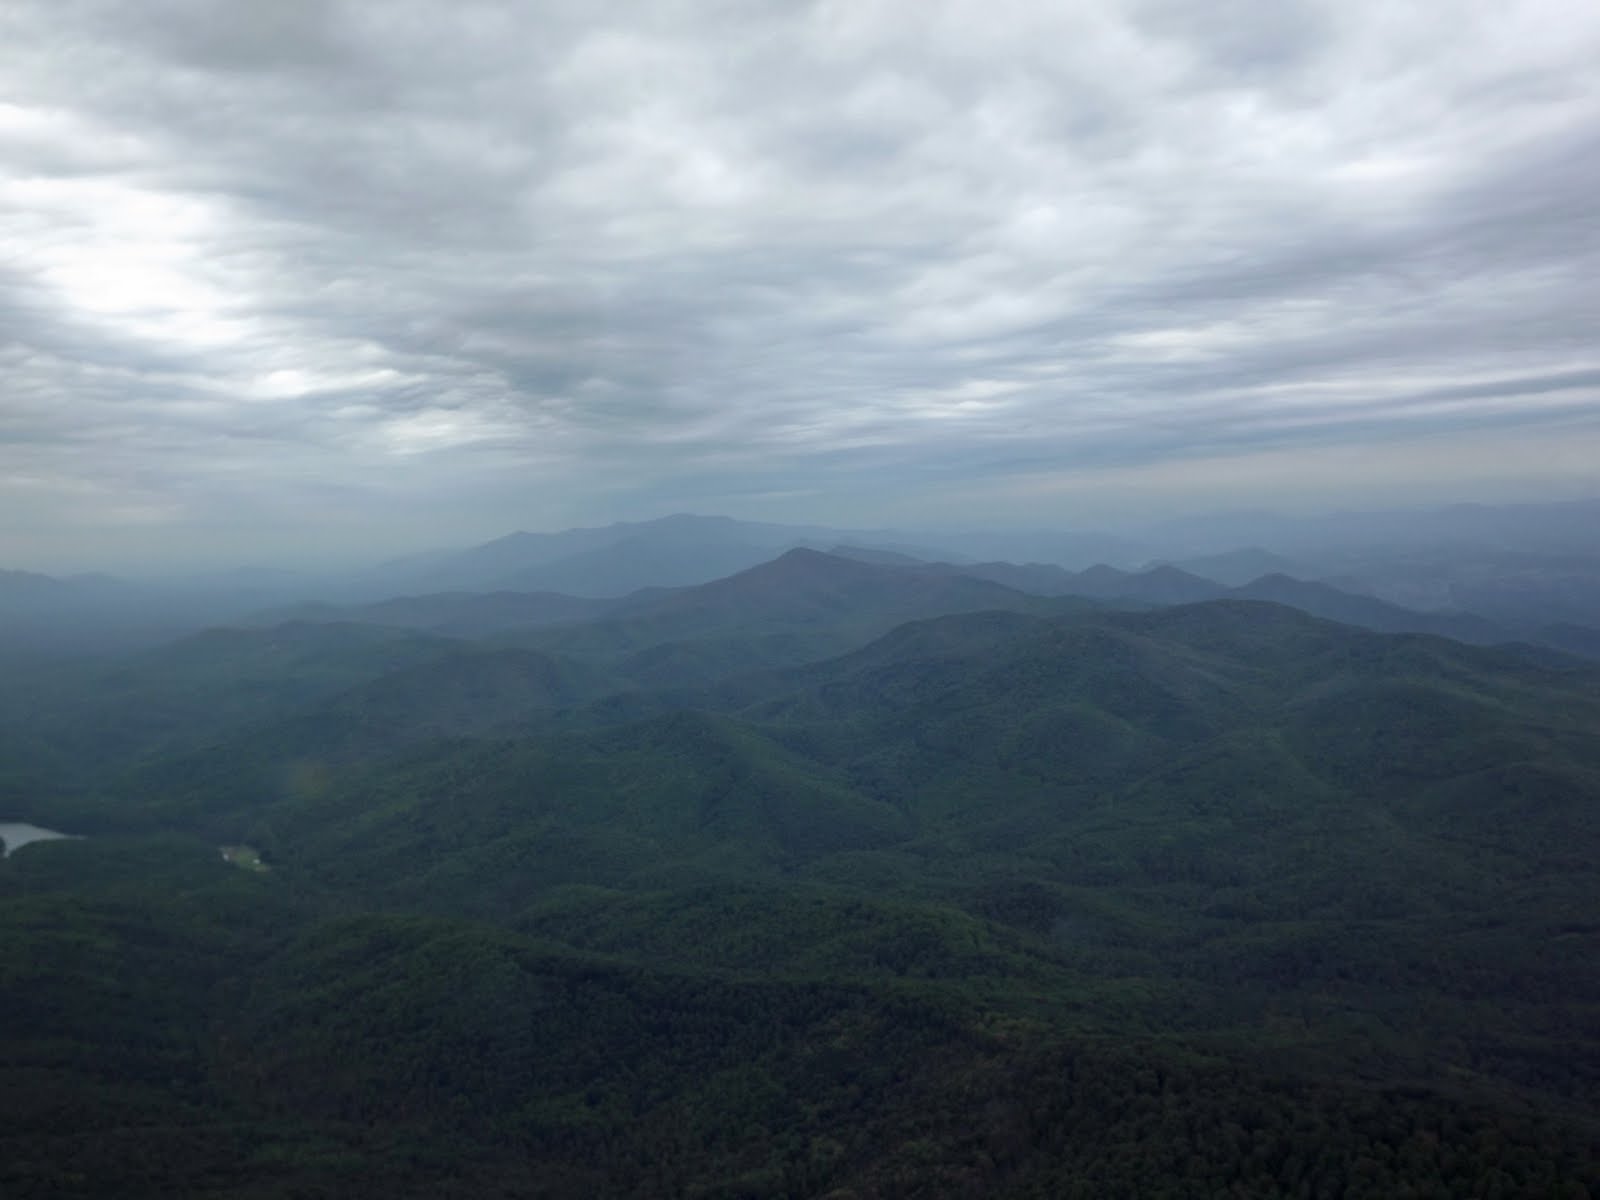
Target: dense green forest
816, 885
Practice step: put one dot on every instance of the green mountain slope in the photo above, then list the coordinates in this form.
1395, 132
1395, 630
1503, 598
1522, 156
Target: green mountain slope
197, 690
1209, 899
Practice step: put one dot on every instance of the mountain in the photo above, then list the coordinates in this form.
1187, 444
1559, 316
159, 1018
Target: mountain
608, 562
838, 602
1070, 548
27, 586
471, 693
842, 874
639, 562
1235, 568
1159, 585
336, 691
296, 751
686, 549
200, 688
1039, 579
1540, 595
1570, 527
1320, 600
1035, 899
883, 558
1222, 783
449, 614
1166, 585
43, 618
784, 601
543, 659
1580, 640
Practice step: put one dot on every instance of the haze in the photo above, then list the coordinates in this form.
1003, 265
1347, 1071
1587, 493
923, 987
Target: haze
311, 281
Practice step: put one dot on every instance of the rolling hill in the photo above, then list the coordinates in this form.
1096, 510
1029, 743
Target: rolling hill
830, 877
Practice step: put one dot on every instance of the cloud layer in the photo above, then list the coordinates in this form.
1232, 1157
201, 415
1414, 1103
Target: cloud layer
325, 275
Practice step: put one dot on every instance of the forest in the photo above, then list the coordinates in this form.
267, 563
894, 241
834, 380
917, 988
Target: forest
825, 879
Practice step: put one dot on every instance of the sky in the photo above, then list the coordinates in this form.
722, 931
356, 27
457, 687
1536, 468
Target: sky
322, 279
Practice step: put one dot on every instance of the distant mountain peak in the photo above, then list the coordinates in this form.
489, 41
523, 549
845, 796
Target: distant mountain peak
1101, 573
26, 579
1167, 572
1278, 581
804, 563
876, 556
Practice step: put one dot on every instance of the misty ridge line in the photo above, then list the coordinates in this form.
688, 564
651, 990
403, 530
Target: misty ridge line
1479, 574
1540, 527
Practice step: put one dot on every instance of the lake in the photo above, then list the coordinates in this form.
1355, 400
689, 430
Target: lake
18, 834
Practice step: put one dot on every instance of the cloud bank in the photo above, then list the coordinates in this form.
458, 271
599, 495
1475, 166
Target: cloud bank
319, 278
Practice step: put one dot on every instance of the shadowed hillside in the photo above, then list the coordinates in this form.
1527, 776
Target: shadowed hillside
952, 912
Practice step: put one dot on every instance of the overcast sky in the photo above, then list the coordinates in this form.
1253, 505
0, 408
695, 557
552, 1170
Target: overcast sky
292, 279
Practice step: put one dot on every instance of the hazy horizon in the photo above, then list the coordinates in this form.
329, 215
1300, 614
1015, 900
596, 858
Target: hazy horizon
1165, 534
313, 283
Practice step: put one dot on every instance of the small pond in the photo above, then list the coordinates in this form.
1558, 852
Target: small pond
17, 834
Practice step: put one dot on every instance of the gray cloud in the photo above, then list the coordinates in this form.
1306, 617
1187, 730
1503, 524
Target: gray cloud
328, 277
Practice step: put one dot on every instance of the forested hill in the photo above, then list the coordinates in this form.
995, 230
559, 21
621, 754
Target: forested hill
1014, 897
850, 594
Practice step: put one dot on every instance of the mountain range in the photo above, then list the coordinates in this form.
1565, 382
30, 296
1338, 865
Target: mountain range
806, 588
851, 873
1499, 564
